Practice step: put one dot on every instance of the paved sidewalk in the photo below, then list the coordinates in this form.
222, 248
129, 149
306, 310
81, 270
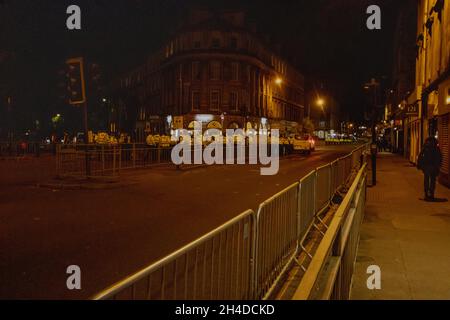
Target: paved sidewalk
408, 238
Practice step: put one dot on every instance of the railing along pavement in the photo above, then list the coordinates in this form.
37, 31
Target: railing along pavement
330, 271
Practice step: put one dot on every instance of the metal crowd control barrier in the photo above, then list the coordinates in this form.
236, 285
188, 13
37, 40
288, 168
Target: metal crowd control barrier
72, 160
276, 239
248, 256
22, 149
330, 271
107, 160
307, 203
284, 219
143, 156
216, 266
323, 187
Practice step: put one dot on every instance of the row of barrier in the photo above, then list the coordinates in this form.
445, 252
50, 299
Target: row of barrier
87, 160
20, 149
296, 207
107, 160
247, 256
329, 275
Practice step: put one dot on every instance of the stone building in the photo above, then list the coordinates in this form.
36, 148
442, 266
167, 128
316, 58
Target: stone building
217, 71
431, 96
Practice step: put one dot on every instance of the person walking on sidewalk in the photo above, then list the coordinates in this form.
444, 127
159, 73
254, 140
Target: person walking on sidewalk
429, 162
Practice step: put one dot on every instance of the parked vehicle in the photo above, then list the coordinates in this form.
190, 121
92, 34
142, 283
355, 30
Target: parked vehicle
304, 143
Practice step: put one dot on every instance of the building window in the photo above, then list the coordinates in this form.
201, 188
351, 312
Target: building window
214, 100
195, 100
195, 70
215, 43
233, 43
235, 71
142, 113
234, 101
248, 74
215, 70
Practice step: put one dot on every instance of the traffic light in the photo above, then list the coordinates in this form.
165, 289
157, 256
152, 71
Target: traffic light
75, 77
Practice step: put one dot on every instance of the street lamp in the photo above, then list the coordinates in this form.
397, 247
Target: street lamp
278, 81
320, 102
373, 85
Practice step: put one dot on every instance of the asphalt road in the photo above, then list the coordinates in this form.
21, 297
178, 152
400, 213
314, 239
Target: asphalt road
112, 233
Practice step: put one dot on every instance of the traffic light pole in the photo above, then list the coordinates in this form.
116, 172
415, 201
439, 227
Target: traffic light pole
78, 97
373, 147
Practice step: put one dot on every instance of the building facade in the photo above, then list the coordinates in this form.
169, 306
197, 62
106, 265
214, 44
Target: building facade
216, 72
431, 96
396, 116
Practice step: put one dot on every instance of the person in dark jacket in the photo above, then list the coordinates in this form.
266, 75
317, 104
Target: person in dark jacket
429, 162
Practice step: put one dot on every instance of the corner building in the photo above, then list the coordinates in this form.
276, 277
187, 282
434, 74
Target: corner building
218, 72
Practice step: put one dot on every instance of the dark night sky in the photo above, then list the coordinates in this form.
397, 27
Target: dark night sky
327, 39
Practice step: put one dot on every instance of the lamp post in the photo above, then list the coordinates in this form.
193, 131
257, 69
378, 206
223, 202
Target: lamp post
321, 103
372, 85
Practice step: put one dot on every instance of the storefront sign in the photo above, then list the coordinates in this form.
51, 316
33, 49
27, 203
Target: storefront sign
412, 109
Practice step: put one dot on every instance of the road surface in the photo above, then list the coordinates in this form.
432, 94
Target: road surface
112, 233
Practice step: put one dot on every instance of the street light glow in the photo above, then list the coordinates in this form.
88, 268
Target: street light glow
320, 102
278, 80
